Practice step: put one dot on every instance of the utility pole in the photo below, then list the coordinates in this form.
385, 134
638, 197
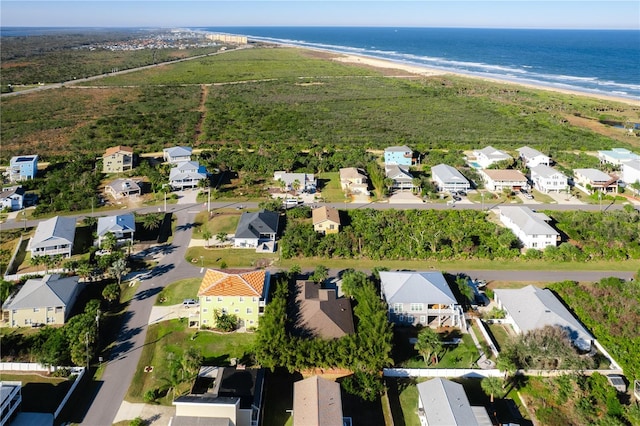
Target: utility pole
86, 340
209, 200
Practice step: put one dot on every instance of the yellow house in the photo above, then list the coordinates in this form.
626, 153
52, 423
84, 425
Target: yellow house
326, 220
117, 159
242, 293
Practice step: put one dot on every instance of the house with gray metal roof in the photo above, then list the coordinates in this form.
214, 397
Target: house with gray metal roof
448, 178
592, 180
631, 172
443, 402
420, 298
257, 230
547, 179
489, 155
47, 300
400, 175
177, 154
531, 308
532, 157
317, 402
187, 174
123, 188
530, 227
122, 226
12, 198
617, 156
53, 236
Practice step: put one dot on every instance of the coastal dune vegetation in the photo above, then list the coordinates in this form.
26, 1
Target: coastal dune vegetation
263, 97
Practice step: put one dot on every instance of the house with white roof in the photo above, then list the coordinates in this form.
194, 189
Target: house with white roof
532, 157
122, 226
177, 154
402, 179
498, 180
592, 180
257, 230
53, 236
187, 174
443, 402
420, 298
489, 155
12, 198
448, 178
530, 227
398, 155
631, 172
299, 182
123, 188
23, 167
547, 179
531, 308
47, 300
617, 156
354, 180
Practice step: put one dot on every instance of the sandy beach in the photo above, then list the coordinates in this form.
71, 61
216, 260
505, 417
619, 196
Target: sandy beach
430, 72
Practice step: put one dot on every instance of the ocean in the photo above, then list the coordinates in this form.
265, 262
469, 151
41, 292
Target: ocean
604, 62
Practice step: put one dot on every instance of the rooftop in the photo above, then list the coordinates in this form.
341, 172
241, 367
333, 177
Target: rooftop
530, 222
505, 175
420, 287
234, 282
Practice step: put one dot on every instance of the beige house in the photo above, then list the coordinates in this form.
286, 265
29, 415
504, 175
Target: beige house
498, 180
317, 402
47, 300
326, 220
354, 181
117, 159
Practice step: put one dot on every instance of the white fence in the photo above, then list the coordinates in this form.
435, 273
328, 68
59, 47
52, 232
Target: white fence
441, 372
24, 366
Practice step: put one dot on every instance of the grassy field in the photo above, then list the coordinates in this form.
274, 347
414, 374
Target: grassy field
233, 258
331, 190
174, 337
178, 291
223, 220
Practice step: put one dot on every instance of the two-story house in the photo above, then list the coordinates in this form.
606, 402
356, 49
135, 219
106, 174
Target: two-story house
547, 179
53, 236
448, 178
117, 159
592, 180
177, 154
242, 293
530, 227
298, 182
326, 220
617, 156
122, 226
398, 155
257, 230
186, 174
354, 180
631, 172
400, 176
485, 157
532, 157
23, 167
12, 198
498, 180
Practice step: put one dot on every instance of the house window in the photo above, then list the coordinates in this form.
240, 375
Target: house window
241, 299
254, 300
236, 310
205, 310
534, 244
250, 321
49, 309
36, 309
207, 299
219, 299
417, 307
401, 318
410, 319
331, 226
249, 310
224, 311
206, 321
397, 307
423, 319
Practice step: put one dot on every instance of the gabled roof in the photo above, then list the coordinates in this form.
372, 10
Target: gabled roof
14, 190
118, 149
50, 290
119, 223
528, 221
633, 164
395, 171
320, 312
505, 175
184, 166
59, 227
594, 175
325, 213
178, 151
532, 308
123, 185
252, 224
447, 174
446, 403
317, 402
249, 283
348, 173
402, 148
527, 152
493, 153
545, 171
419, 287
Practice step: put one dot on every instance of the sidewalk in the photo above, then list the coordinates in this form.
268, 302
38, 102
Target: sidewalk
152, 414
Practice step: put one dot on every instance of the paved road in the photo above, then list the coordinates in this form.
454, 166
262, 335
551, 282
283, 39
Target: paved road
123, 359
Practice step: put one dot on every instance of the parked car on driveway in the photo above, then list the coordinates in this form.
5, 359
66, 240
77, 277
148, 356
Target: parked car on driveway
189, 302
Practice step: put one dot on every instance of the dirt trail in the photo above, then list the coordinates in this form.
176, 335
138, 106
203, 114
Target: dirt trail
203, 99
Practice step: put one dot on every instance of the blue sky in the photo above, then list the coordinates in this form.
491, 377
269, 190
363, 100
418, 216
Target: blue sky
452, 13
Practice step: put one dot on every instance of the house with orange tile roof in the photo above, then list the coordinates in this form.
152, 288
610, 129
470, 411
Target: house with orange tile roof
117, 159
240, 292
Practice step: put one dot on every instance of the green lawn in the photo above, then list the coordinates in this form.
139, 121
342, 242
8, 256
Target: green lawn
39, 393
176, 292
330, 187
500, 333
403, 401
175, 337
233, 258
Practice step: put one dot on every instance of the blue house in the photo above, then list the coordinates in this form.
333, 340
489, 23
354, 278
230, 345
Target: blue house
398, 155
23, 167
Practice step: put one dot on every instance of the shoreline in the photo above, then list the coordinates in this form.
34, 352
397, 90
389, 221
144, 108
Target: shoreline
426, 71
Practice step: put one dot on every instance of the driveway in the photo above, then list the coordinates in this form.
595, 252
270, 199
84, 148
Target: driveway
165, 313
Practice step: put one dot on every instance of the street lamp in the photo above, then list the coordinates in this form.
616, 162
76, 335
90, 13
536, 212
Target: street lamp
24, 218
600, 199
202, 261
482, 195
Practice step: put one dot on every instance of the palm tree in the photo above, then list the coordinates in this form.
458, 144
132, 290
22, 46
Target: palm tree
221, 237
206, 234
84, 270
296, 185
118, 269
36, 260
428, 344
109, 241
492, 386
282, 185
151, 220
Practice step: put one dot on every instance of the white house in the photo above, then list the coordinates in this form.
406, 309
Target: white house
400, 176
305, 182
177, 154
530, 227
53, 236
631, 172
532, 157
617, 156
442, 402
532, 308
123, 188
354, 180
498, 180
489, 155
12, 198
592, 180
448, 178
187, 175
257, 230
547, 179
